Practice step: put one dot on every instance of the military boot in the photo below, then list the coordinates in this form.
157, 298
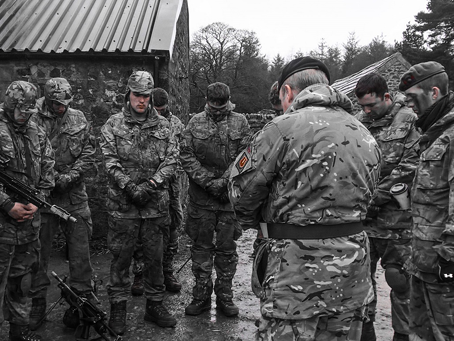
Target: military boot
400, 337
22, 333
368, 332
171, 282
196, 307
156, 312
137, 288
117, 319
37, 313
227, 307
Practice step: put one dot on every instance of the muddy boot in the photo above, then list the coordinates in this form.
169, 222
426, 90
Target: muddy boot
196, 307
227, 307
171, 282
400, 337
368, 333
156, 312
117, 319
137, 286
22, 333
37, 313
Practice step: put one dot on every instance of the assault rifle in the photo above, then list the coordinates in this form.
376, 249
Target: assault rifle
28, 193
89, 314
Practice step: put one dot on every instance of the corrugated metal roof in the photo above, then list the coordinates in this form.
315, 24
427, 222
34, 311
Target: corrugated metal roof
88, 25
348, 84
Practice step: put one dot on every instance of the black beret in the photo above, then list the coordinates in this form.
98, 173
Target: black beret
300, 64
418, 73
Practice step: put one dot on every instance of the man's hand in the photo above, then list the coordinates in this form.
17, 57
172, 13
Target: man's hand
64, 181
372, 211
445, 270
216, 187
139, 194
22, 212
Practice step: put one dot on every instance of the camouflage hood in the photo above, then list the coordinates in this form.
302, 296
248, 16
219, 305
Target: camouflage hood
321, 95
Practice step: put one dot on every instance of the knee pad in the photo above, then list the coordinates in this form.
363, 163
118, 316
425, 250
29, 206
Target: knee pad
397, 278
21, 285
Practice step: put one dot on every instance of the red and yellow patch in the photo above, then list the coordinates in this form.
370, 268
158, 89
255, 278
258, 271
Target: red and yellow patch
242, 162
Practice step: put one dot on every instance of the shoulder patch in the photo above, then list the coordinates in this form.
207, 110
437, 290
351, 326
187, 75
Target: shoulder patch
244, 161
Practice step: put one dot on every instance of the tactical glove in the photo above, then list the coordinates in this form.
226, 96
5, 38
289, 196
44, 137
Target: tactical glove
63, 182
139, 194
216, 187
372, 211
445, 270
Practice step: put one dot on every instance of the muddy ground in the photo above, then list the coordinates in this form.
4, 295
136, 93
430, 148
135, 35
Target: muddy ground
210, 326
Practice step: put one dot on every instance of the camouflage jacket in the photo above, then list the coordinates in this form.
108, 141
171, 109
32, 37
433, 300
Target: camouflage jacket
74, 147
208, 150
31, 161
398, 138
316, 164
304, 167
433, 200
177, 128
135, 151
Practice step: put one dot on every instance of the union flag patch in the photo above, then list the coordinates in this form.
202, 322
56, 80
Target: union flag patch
242, 162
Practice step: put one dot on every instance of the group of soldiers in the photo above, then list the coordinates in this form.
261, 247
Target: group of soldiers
314, 182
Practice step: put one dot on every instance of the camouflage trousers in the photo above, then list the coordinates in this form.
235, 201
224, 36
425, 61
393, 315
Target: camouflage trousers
77, 237
122, 238
18, 265
432, 310
213, 236
391, 252
338, 327
170, 237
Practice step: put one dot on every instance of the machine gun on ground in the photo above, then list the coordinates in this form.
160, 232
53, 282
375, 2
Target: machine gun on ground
28, 193
89, 314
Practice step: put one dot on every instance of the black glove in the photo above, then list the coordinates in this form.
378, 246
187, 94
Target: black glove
216, 187
238, 232
139, 194
63, 182
445, 270
372, 211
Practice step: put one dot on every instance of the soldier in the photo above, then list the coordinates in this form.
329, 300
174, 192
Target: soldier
387, 224
307, 177
74, 147
140, 157
274, 99
426, 86
161, 105
31, 161
211, 141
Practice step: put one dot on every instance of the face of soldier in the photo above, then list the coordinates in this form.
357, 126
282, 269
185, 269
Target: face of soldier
374, 106
418, 100
163, 110
58, 108
139, 102
21, 116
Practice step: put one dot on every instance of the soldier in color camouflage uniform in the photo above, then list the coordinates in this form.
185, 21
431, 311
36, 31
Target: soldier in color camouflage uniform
140, 157
309, 175
211, 141
31, 161
74, 146
388, 226
432, 258
161, 105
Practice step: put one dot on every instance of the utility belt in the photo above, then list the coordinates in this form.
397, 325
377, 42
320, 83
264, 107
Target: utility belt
313, 231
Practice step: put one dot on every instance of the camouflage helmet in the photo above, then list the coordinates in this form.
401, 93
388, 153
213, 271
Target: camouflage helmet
22, 95
141, 82
218, 95
58, 90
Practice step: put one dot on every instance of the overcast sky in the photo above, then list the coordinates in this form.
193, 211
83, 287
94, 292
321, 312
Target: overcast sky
290, 26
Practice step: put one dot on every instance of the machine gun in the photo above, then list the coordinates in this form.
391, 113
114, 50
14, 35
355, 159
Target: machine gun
89, 314
28, 193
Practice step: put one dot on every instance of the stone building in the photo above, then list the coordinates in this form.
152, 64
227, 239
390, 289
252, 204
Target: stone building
391, 68
96, 45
